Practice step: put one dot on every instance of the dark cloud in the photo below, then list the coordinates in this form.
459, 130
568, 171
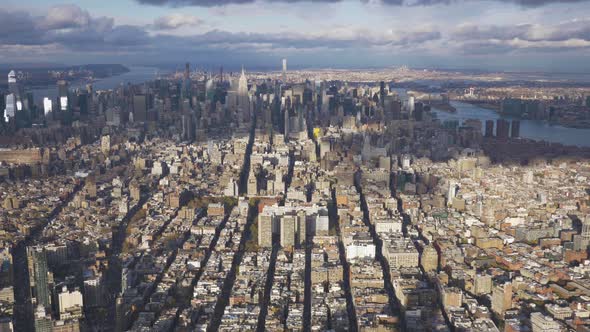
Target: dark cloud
19, 28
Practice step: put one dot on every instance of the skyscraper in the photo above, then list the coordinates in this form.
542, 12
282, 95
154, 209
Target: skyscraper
62, 93
13, 86
139, 108
502, 129
489, 128
265, 230
10, 110
284, 70
288, 231
515, 129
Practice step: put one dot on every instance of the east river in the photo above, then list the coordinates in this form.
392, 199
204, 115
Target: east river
532, 129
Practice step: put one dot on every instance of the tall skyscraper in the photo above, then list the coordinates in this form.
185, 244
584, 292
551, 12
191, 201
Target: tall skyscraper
515, 129
47, 106
502, 129
139, 108
489, 128
62, 93
284, 70
13, 86
10, 110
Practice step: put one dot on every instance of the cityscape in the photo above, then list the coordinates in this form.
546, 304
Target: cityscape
222, 193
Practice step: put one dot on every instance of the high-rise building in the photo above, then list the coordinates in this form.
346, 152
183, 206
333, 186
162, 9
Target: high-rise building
288, 231
502, 129
42, 320
38, 266
10, 110
515, 129
265, 230
139, 108
12, 83
63, 95
47, 106
502, 298
489, 128
284, 70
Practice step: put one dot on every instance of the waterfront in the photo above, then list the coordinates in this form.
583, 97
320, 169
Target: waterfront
135, 75
531, 129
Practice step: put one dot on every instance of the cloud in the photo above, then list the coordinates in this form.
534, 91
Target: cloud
219, 3
175, 21
65, 16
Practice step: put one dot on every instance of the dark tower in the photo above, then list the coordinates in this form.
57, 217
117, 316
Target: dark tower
489, 128
515, 130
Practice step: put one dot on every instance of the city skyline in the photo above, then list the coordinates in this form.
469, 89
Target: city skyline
495, 35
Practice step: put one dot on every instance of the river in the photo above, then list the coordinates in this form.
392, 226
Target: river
134, 76
532, 129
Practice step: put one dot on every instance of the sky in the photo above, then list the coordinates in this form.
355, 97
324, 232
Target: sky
511, 35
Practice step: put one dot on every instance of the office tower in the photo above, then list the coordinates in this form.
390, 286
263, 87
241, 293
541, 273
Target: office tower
47, 106
502, 298
39, 274
62, 88
10, 110
284, 70
13, 84
452, 191
62, 94
93, 292
489, 128
42, 320
265, 230
515, 129
382, 93
243, 89
411, 105
139, 108
502, 129
301, 230
288, 231
83, 103
186, 83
